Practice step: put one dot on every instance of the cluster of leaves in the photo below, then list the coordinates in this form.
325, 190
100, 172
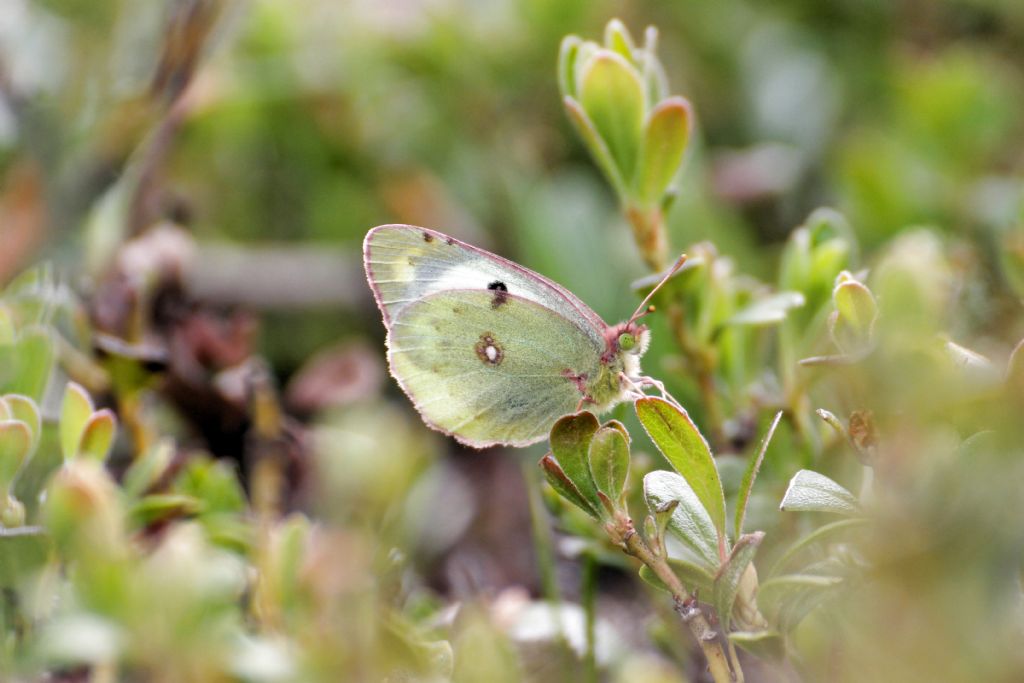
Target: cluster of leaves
854, 340
164, 572
589, 465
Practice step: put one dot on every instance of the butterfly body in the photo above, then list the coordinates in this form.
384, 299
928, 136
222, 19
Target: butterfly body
489, 351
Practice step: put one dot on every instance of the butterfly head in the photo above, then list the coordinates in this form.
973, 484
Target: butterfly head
630, 337
626, 343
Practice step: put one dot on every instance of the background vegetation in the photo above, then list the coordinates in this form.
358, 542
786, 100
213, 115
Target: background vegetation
235, 490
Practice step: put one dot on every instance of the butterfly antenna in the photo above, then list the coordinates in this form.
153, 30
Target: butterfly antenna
642, 309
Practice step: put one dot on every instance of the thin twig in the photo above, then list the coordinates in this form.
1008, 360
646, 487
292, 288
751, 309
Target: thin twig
687, 608
702, 366
685, 603
652, 242
589, 599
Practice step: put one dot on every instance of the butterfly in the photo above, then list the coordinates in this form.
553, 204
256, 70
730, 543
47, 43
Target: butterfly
488, 351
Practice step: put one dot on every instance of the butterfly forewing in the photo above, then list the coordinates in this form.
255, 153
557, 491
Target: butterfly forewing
405, 263
489, 374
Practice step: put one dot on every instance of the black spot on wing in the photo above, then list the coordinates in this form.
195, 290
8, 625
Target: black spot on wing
500, 290
427, 237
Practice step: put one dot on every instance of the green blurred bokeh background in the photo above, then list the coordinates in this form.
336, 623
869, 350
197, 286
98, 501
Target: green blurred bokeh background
310, 121
307, 122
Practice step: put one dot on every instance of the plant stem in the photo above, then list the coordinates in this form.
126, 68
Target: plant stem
685, 605
652, 241
649, 233
734, 658
703, 367
130, 405
589, 599
542, 542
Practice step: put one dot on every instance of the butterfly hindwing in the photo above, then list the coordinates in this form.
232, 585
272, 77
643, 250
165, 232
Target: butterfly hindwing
489, 370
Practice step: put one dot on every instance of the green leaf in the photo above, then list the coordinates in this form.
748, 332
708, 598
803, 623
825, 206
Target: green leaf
617, 38
613, 97
43, 461
32, 361
75, 411
12, 514
770, 310
828, 259
693, 577
662, 516
229, 531
750, 476
23, 550
609, 461
786, 600
570, 445
665, 137
856, 305
795, 265
769, 645
689, 521
584, 52
682, 444
684, 280
564, 486
15, 444
163, 506
968, 360
25, 409
814, 255
148, 468
215, 483
812, 492
98, 435
621, 428
832, 421
822, 533
568, 51
727, 581
596, 144
853, 322
655, 80
825, 225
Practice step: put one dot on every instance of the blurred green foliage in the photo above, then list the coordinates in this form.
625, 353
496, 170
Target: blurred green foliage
199, 485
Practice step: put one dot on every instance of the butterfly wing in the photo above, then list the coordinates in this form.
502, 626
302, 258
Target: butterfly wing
489, 374
405, 263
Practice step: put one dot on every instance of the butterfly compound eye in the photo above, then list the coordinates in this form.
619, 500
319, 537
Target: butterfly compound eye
627, 341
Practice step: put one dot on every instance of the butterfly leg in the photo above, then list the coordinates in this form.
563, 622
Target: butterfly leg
633, 390
660, 386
